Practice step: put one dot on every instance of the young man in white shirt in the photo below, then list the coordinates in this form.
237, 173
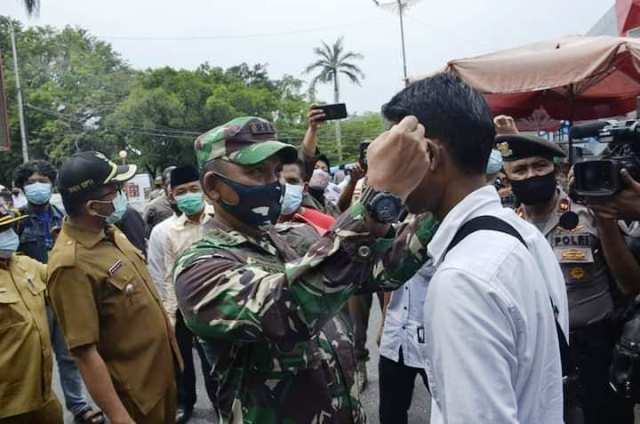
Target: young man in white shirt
492, 348
156, 247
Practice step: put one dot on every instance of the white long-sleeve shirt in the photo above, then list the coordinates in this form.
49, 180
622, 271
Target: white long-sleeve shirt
155, 253
181, 234
404, 321
492, 352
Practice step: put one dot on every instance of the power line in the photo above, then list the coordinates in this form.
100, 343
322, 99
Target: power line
174, 130
127, 131
292, 135
228, 36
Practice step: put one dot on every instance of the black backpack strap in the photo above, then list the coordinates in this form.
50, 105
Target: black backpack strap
492, 223
484, 222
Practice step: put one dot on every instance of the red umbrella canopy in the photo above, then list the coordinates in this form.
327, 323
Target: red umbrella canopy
575, 78
628, 14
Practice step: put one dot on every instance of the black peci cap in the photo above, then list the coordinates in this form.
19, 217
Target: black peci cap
183, 175
519, 146
85, 171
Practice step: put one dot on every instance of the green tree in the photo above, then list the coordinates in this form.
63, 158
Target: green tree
80, 95
71, 82
167, 109
334, 61
356, 129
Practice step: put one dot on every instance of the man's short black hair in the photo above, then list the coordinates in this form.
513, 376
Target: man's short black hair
24, 171
452, 112
324, 158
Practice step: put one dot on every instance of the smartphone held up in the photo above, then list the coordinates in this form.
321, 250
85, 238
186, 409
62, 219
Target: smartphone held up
333, 112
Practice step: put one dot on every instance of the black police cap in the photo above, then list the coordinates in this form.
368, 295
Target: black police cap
86, 171
519, 146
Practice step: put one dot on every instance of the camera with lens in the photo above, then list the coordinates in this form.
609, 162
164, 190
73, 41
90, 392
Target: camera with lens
601, 177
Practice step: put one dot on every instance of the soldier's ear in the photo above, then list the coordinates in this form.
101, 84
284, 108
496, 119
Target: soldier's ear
210, 185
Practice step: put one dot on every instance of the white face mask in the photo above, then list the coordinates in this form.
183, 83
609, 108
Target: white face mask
292, 199
319, 179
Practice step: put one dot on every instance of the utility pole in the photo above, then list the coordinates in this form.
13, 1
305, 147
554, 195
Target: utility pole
23, 130
404, 50
399, 6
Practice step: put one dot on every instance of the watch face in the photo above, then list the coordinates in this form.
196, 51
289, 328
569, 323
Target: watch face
388, 208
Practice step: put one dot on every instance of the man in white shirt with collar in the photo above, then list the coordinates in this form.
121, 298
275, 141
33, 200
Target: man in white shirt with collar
155, 254
492, 349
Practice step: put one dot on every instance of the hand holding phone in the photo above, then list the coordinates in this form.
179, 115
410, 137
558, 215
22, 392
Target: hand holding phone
315, 117
333, 112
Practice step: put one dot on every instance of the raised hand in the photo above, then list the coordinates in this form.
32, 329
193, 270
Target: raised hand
505, 125
398, 158
315, 117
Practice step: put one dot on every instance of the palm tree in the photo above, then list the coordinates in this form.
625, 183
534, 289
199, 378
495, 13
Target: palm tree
332, 62
32, 6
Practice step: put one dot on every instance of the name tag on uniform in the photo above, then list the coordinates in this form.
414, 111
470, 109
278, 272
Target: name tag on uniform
563, 239
581, 255
573, 247
117, 266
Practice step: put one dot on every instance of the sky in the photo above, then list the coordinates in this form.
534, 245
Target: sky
283, 33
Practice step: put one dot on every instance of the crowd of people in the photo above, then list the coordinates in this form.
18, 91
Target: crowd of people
496, 288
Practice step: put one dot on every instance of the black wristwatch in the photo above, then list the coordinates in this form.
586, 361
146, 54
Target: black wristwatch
382, 206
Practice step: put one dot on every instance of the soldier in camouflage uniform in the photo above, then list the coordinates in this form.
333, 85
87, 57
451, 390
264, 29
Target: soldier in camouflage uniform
264, 299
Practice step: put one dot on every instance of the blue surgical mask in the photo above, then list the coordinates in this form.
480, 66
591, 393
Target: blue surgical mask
119, 208
119, 204
292, 199
190, 203
38, 193
9, 242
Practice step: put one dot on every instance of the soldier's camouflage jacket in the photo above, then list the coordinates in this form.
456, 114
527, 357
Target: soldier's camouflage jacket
267, 311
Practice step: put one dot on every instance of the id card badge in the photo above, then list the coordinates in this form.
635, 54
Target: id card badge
421, 335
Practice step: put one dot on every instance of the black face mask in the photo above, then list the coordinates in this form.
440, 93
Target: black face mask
257, 205
535, 190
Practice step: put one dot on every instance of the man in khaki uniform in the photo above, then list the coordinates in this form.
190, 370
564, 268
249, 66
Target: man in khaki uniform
25, 350
105, 301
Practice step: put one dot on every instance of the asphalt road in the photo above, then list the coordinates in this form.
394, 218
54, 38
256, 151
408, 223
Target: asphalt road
418, 413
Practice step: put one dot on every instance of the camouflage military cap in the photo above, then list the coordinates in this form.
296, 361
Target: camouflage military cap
246, 141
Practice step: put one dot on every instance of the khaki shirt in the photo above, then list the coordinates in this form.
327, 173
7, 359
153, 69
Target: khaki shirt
103, 295
25, 349
582, 262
